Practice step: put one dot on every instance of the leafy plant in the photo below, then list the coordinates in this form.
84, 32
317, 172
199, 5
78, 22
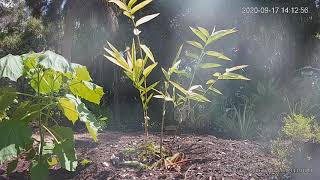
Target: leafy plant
57, 84
135, 66
298, 127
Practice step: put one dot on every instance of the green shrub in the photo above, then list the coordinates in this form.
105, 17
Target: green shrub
298, 127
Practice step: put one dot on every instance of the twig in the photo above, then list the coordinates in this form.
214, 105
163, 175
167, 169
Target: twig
185, 175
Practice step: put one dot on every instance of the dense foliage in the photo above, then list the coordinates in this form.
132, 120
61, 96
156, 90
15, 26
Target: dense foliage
56, 85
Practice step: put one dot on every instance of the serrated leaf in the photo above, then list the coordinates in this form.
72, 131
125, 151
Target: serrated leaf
209, 65
69, 109
232, 76
195, 44
236, 68
204, 31
87, 90
65, 149
55, 61
217, 55
199, 34
82, 72
11, 67
148, 52
146, 19
120, 4
219, 34
140, 6
149, 69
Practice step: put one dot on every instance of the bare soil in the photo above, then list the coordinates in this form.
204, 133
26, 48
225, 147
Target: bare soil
210, 158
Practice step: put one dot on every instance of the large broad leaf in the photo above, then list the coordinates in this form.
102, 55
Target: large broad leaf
11, 67
86, 116
31, 60
87, 90
27, 111
39, 170
13, 133
55, 62
65, 148
146, 19
81, 72
7, 97
69, 109
50, 81
140, 6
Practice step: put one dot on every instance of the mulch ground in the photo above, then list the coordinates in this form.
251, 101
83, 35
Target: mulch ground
210, 158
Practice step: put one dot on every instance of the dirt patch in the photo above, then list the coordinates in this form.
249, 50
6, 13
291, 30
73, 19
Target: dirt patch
211, 158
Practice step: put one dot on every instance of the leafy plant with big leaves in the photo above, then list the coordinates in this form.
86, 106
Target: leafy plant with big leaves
57, 84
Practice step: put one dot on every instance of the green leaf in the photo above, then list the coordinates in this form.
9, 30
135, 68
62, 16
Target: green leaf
166, 98
55, 62
166, 74
179, 87
215, 90
27, 111
217, 55
87, 90
204, 31
197, 97
140, 6
211, 81
174, 67
146, 19
209, 65
194, 88
82, 72
128, 14
7, 97
31, 60
178, 54
116, 57
131, 3
8, 153
69, 109
39, 171
199, 34
219, 34
236, 68
11, 67
148, 52
195, 44
65, 148
14, 136
50, 81
192, 55
86, 116
149, 69
149, 88
183, 73
120, 4
232, 76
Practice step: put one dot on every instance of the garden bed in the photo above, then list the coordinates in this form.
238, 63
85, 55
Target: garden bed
208, 158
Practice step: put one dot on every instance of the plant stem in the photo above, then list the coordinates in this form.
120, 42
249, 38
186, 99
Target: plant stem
39, 120
163, 118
